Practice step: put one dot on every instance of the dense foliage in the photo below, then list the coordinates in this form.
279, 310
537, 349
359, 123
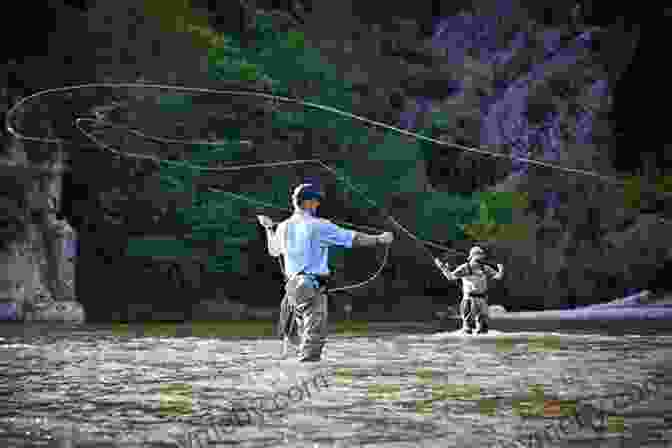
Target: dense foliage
284, 63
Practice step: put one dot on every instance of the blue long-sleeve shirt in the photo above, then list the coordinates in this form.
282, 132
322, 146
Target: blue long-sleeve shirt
303, 241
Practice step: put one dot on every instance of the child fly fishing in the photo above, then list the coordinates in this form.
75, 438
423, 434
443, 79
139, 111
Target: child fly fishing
475, 275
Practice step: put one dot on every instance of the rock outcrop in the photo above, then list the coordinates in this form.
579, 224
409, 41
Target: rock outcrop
37, 274
65, 311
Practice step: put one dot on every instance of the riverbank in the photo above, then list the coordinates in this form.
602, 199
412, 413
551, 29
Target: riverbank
247, 330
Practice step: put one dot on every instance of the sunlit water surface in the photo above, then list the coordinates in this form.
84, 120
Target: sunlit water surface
92, 386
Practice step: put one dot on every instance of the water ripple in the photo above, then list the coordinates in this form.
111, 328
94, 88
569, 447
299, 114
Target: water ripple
91, 388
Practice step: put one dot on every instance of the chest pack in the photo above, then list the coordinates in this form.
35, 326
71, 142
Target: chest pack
476, 283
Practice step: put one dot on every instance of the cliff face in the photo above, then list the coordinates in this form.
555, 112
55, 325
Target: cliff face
504, 76
38, 268
37, 274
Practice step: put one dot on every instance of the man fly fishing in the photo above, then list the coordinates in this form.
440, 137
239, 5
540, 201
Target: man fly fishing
303, 241
475, 275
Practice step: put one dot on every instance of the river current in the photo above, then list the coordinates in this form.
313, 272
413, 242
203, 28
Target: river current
105, 386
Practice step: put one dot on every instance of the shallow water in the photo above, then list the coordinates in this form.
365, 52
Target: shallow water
92, 386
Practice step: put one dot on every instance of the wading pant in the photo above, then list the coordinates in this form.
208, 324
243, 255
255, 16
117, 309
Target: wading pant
474, 311
309, 303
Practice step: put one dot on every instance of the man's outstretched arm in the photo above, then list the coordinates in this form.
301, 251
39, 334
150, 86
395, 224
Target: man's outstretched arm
329, 234
364, 240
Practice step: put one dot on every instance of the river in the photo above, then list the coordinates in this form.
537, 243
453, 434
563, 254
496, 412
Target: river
110, 386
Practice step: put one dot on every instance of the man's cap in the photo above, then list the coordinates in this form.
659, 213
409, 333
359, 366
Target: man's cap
308, 191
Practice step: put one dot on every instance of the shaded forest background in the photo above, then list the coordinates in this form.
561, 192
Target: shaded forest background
154, 242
